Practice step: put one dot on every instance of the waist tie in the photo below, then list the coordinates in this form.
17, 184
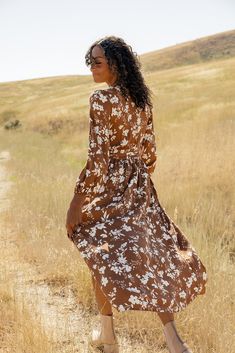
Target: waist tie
124, 155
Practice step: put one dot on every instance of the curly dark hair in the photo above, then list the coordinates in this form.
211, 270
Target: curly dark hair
125, 63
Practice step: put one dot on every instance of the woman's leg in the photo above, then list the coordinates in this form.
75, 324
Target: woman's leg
107, 333
104, 305
174, 342
166, 317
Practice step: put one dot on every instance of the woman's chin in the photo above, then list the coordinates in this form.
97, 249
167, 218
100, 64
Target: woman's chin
97, 79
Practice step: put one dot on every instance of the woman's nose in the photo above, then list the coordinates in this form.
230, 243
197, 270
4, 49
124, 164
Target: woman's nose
93, 67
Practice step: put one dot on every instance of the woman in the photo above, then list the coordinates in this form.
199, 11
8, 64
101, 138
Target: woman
138, 258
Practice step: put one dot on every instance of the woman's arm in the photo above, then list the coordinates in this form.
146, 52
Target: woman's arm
149, 154
93, 176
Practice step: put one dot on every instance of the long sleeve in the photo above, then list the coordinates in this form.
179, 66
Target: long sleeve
93, 176
149, 152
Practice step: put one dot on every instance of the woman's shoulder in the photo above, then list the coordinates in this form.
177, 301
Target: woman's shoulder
104, 100
105, 95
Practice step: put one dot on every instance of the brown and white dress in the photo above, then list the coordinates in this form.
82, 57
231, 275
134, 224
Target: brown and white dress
140, 257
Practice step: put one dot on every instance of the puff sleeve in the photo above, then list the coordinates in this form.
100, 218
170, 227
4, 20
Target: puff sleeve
94, 175
149, 149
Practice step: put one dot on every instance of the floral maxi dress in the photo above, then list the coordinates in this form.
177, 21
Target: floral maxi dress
138, 255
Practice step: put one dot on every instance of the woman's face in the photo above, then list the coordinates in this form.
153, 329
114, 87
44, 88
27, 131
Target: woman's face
100, 68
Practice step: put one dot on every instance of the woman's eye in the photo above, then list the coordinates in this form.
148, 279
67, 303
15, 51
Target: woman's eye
95, 63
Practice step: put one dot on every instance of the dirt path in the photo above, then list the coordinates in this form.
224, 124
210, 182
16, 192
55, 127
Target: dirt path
63, 320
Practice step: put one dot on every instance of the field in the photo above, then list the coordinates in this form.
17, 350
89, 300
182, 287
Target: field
47, 302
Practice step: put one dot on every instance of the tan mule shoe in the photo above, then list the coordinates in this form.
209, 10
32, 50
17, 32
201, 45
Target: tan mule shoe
105, 337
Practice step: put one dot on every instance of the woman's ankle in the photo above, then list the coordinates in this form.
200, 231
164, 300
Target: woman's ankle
166, 317
174, 341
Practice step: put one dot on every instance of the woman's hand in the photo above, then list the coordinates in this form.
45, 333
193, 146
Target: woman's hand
74, 213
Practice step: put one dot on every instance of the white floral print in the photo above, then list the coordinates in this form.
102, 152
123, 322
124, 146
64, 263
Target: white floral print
140, 257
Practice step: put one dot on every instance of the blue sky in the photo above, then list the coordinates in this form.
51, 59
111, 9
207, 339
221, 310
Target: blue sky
47, 38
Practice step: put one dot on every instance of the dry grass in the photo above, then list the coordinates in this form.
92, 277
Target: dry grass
194, 123
18, 332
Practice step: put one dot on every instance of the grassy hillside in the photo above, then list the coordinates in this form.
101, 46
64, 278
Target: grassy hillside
40, 103
59, 105
214, 47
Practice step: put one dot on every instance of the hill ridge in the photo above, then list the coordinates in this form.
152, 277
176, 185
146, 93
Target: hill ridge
213, 47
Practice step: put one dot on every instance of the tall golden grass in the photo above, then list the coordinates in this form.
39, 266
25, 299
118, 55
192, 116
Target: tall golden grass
18, 332
194, 115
